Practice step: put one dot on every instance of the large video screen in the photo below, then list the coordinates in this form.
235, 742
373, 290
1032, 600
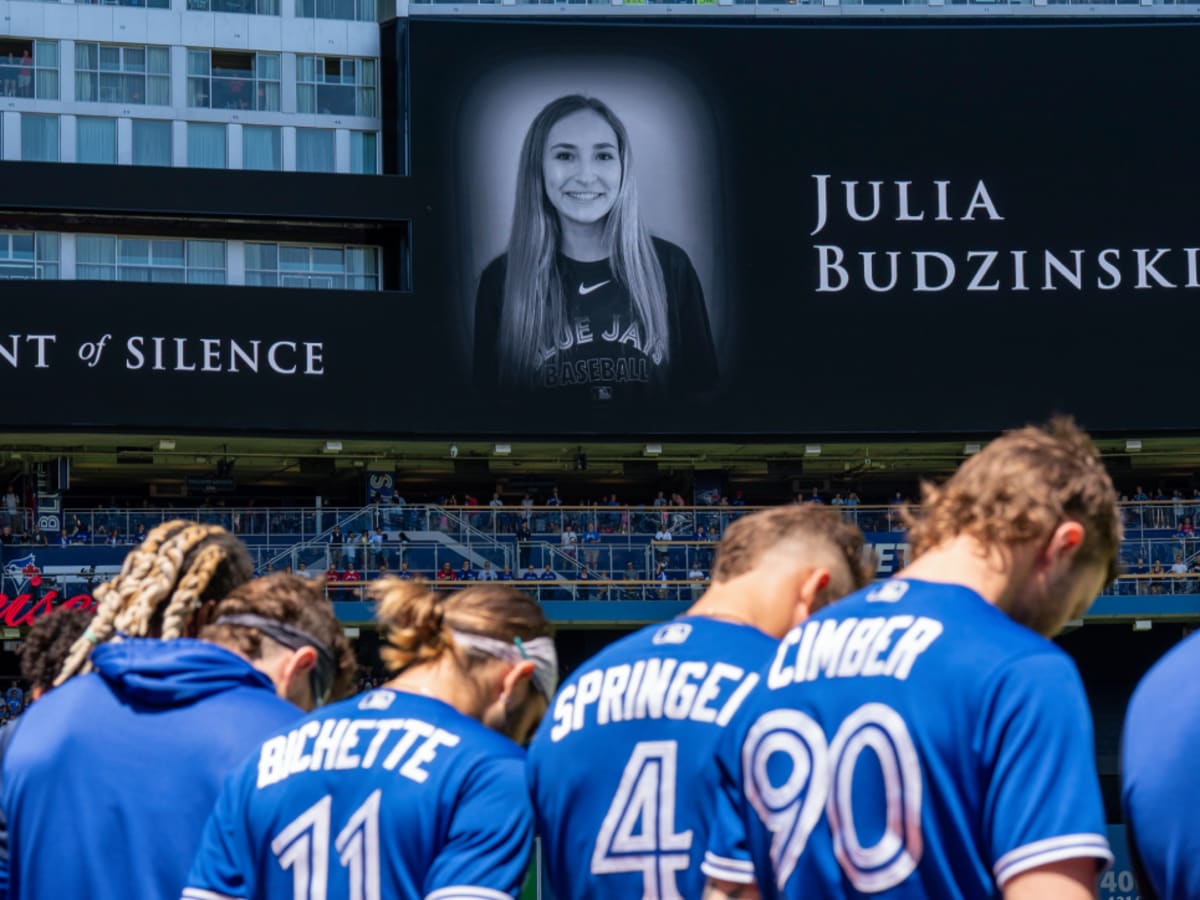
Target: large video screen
816, 229
711, 229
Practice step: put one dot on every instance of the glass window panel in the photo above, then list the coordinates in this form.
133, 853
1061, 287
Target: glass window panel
363, 155
166, 275
166, 253
197, 62
328, 259
367, 72
45, 53
47, 247
314, 150
95, 249
261, 148
95, 140
268, 66
158, 60
47, 84
206, 254
262, 279
268, 96
135, 59
159, 91
86, 56
206, 145
22, 246
293, 259
260, 256
110, 58
151, 142
133, 252
39, 137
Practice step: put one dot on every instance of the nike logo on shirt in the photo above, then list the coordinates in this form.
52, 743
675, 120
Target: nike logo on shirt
584, 290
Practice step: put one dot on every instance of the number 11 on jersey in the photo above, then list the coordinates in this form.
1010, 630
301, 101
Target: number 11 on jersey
638, 832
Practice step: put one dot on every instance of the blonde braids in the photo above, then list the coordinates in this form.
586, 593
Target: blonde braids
129, 604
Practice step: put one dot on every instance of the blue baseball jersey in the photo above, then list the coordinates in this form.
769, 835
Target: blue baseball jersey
1160, 779
385, 795
621, 769
908, 741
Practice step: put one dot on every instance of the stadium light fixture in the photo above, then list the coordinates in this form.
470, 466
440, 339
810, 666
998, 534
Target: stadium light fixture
1143, 624
812, 449
333, 447
1133, 446
971, 449
652, 450
454, 451
503, 449
166, 444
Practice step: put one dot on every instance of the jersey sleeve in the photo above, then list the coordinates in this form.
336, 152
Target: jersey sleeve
727, 857
491, 836
224, 865
1042, 795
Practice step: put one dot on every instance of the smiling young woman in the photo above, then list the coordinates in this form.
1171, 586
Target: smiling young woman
585, 301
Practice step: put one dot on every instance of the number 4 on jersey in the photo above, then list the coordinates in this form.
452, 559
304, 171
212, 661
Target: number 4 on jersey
638, 832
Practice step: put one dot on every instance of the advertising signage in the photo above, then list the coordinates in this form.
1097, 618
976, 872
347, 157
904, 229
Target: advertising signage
714, 229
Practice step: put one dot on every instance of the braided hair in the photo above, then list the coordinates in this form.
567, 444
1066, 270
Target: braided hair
161, 585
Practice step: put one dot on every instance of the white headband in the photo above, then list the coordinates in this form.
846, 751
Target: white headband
539, 651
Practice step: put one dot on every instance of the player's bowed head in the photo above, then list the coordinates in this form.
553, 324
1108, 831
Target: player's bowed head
168, 587
488, 651
777, 567
1030, 523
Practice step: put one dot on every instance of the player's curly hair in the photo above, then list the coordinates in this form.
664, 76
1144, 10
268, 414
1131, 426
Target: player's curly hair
162, 583
48, 644
290, 600
1020, 488
419, 623
823, 531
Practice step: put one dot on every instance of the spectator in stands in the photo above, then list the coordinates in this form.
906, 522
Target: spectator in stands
350, 548
336, 543
1180, 570
446, 572
585, 591
662, 537
569, 541
660, 500
1140, 568
404, 572
496, 504
37, 537
487, 573
352, 575
661, 576
1157, 584
466, 573
591, 545
505, 574
64, 538
530, 574
814, 496
696, 576
554, 499
524, 542
11, 506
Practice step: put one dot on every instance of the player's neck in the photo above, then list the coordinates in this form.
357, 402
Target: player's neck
964, 560
584, 242
719, 602
441, 680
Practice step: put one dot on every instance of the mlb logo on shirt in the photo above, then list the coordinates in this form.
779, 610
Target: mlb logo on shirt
888, 592
377, 700
675, 633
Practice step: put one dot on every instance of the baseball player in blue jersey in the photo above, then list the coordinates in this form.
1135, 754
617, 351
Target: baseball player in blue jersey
1160, 778
414, 790
621, 770
923, 738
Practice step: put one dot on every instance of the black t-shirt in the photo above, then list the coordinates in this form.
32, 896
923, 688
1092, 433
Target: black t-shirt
601, 354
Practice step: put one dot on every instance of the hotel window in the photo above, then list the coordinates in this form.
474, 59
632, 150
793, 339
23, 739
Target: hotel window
151, 142
252, 7
25, 255
363, 154
302, 266
314, 150
106, 258
150, 4
108, 73
333, 85
95, 140
39, 137
29, 69
359, 10
219, 79
261, 148
206, 145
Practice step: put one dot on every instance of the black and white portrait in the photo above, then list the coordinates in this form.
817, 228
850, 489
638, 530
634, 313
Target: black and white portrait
592, 267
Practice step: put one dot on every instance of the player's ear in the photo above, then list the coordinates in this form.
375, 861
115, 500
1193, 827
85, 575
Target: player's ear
1064, 543
519, 672
809, 594
297, 686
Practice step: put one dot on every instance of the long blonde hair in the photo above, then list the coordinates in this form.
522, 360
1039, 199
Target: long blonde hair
533, 313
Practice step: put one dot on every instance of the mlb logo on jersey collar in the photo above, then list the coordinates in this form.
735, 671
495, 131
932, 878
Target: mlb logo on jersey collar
674, 633
888, 592
377, 700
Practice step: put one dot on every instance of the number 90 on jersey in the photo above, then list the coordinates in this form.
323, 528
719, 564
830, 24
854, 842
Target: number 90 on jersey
793, 776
